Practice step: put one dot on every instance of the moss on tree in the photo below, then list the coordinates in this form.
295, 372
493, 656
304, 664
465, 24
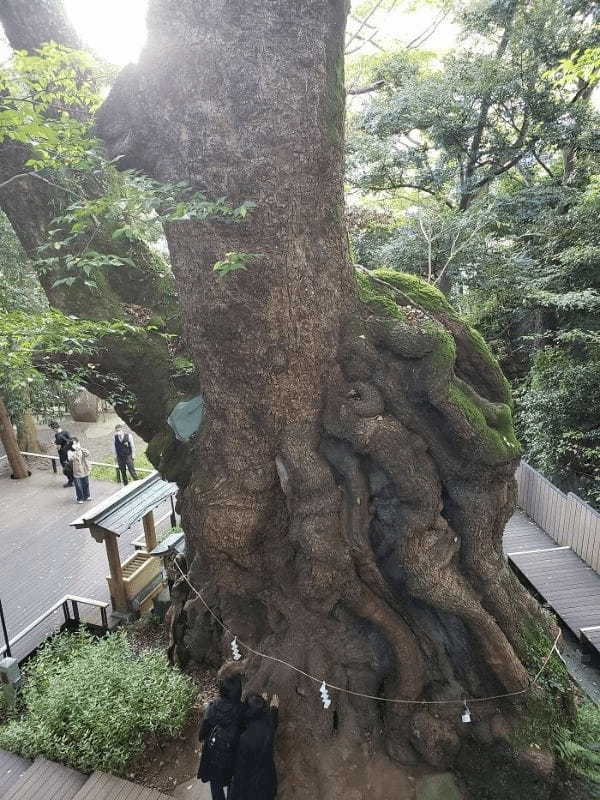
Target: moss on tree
491, 422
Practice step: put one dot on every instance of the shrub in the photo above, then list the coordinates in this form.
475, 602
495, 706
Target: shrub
577, 746
91, 703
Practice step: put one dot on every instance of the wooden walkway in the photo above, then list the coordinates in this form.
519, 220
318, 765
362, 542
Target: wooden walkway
42, 558
46, 780
567, 584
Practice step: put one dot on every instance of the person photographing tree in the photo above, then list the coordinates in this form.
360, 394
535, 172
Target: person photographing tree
254, 774
81, 462
124, 452
62, 440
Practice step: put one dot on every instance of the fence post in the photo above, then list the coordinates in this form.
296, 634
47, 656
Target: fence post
4, 632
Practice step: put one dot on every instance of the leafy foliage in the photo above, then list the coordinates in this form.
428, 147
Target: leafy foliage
233, 262
558, 420
55, 83
91, 703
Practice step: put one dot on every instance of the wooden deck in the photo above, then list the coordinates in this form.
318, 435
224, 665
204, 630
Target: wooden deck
567, 584
46, 780
12, 768
101, 786
43, 559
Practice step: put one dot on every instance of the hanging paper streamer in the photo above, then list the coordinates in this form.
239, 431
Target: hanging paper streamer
326, 699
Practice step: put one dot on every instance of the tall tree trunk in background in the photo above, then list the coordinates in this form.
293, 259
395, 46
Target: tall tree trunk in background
11, 446
354, 472
27, 434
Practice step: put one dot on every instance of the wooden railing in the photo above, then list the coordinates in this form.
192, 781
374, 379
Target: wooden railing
565, 517
70, 615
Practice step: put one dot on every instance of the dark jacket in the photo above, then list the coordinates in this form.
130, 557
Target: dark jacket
224, 715
62, 440
123, 447
255, 777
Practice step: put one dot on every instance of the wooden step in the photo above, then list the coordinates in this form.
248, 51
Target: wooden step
101, 786
193, 790
11, 769
45, 780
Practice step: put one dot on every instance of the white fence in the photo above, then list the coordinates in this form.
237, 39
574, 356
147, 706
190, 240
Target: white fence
565, 517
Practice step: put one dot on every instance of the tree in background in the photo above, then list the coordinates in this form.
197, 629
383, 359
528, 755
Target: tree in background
508, 226
27, 392
448, 129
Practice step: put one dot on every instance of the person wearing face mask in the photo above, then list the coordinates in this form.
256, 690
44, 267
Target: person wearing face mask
81, 462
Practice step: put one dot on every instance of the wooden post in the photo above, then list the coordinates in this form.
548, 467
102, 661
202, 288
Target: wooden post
120, 602
149, 530
9, 440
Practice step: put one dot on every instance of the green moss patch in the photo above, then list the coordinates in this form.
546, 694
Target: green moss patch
479, 345
445, 348
491, 421
420, 292
379, 300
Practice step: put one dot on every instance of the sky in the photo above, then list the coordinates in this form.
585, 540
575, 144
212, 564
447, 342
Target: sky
95, 21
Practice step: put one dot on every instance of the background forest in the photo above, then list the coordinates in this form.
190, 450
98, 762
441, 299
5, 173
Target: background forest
472, 160
477, 168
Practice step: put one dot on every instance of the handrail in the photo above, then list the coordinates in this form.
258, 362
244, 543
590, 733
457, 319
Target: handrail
93, 463
64, 602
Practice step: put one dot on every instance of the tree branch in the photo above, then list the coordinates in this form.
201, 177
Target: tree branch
392, 186
373, 87
362, 25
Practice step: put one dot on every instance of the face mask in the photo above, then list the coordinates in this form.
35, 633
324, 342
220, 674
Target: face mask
76, 446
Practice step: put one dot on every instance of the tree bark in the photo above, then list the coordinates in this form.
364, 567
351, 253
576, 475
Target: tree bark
27, 434
11, 446
354, 472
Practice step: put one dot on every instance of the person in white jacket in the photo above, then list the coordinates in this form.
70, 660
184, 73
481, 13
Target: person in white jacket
81, 462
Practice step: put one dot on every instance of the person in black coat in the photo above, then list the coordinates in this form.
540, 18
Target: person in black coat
62, 440
255, 777
220, 734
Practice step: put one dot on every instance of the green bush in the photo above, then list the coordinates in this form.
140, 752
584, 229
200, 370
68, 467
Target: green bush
552, 721
577, 746
91, 703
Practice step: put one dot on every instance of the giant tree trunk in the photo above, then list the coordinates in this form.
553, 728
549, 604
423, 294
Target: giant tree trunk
355, 469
